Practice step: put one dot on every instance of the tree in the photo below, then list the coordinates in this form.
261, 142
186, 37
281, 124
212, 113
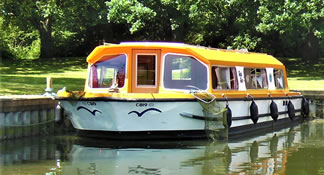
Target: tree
298, 23
164, 20
15, 43
60, 24
38, 15
224, 24
280, 27
82, 26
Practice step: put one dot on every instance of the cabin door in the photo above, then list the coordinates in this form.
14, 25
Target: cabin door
146, 71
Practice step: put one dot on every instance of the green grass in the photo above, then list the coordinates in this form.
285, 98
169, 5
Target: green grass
304, 75
21, 77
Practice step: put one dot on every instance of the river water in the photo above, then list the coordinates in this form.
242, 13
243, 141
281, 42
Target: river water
294, 150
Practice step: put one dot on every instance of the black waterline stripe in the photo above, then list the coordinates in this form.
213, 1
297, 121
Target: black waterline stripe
233, 118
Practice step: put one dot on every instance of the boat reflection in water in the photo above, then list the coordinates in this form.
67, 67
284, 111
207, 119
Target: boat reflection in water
266, 154
293, 150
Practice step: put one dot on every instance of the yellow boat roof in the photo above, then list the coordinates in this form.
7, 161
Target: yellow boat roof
205, 54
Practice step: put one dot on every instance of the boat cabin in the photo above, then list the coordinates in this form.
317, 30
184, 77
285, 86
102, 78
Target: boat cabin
159, 68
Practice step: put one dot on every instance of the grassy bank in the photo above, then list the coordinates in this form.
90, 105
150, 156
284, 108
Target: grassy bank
303, 75
29, 76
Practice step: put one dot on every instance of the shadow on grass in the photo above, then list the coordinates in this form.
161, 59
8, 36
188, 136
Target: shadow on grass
296, 68
28, 76
20, 85
34, 67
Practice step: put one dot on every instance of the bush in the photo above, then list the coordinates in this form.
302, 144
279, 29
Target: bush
18, 44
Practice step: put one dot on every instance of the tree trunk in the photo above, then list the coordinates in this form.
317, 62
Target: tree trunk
47, 44
178, 34
310, 50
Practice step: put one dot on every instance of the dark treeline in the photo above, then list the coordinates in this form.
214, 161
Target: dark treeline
62, 28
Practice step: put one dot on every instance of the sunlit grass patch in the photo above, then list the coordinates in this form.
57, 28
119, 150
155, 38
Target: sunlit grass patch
29, 76
296, 84
304, 75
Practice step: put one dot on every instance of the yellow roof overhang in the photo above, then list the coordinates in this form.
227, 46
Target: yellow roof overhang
235, 57
207, 55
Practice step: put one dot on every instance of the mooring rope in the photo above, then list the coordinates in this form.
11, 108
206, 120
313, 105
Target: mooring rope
25, 125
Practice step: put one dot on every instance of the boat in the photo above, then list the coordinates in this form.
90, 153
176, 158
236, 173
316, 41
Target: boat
161, 90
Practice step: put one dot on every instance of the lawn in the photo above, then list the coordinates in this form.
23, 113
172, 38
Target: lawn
21, 77
29, 76
303, 75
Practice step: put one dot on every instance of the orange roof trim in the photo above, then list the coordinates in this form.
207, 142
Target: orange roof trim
208, 55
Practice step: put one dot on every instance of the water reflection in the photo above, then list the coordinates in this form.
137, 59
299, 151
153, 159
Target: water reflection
297, 150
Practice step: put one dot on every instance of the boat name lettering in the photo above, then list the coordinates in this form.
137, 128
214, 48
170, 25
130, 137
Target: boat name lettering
285, 103
144, 104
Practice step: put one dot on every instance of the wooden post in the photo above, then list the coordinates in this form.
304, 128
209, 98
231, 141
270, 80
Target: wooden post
18, 125
34, 121
27, 122
2, 126
49, 83
9, 121
49, 87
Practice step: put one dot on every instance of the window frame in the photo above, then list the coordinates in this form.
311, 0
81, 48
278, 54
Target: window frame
267, 81
185, 55
90, 72
283, 79
224, 66
155, 70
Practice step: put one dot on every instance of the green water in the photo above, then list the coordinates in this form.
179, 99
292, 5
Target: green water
296, 150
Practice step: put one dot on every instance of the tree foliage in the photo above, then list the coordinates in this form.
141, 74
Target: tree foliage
33, 15
57, 22
298, 23
73, 28
15, 43
163, 20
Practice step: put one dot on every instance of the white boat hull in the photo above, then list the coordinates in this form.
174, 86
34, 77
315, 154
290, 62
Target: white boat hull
161, 116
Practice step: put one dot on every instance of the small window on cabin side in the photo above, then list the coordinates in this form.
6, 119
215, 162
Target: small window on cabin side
279, 78
224, 78
255, 78
108, 73
181, 72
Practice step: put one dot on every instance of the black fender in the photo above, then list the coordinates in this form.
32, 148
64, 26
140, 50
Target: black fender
274, 110
291, 110
228, 116
305, 108
254, 112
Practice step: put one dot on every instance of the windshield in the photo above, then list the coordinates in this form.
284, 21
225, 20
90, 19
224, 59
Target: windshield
108, 73
181, 72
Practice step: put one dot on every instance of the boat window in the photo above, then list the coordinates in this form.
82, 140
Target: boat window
255, 78
224, 78
108, 73
181, 72
279, 78
146, 70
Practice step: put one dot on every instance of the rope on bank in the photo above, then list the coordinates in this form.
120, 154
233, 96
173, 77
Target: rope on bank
25, 125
